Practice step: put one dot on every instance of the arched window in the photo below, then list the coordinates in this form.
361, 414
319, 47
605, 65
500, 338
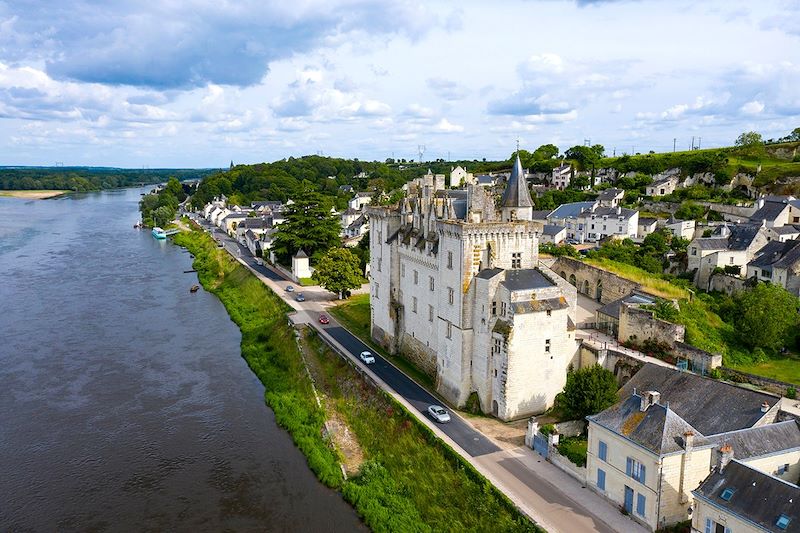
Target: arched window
573, 280
599, 291
585, 289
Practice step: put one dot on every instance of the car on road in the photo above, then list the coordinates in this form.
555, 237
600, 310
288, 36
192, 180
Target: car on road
259, 262
289, 288
220, 244
439, 413
367, 357
300, 297
323, 319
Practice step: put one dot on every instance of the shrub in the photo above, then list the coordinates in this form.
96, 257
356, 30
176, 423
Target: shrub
547, 429
791, 393
588, 391
574, 449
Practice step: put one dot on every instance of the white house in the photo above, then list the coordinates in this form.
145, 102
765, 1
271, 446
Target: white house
728, 246
561, 176
589, 222
459, 176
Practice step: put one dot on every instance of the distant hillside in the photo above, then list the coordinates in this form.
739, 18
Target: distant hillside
82, 179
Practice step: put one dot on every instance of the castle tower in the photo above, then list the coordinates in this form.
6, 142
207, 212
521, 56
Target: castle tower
516, 203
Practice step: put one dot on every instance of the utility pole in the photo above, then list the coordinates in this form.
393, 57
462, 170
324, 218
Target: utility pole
421, 152
587, 142
448, 155
699, 140
674, 143
692, 142
615, 151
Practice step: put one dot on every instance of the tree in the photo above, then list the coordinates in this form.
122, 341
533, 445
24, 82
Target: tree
766, 316
309, 226
750, 143
588, 391
586, 157
545, 151
795, 135
338, 271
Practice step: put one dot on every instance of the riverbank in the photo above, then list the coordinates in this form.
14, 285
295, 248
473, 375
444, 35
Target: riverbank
406, 479
32, 194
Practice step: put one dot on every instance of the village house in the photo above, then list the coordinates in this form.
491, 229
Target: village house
561, 176
778, 263
783, 233
681, 228
646, 226
776, 211
460, 177
455, 287
258, 225
728, 246
590, 222
610, 197
663, 184
360, 200
650, 450
553, 234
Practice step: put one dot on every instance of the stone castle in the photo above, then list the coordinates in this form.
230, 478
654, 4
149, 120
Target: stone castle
457, 288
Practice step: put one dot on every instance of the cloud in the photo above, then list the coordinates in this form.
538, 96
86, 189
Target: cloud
446, 89
444, 126
188, 44
753, 107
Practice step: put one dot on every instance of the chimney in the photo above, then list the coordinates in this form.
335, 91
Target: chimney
725, 456
619, 209
688, 440
648, 398
764, 407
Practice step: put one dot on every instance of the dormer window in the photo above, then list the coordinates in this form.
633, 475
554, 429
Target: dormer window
783, 521
727, 494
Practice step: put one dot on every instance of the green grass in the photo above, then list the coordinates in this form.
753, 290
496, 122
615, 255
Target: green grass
649, 281
410, 480
354, 314
307, 282
574, 449
781, 368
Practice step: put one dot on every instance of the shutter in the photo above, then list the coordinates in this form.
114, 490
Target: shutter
629, 467
642, 476
708, 525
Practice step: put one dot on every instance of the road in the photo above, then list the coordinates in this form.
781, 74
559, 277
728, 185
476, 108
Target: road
552, 498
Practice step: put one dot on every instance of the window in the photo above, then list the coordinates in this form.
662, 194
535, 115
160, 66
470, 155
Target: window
414, 304
730, 260
431, 283
547, 346
379, 264
502, 309
727, 494
430, 313
495, 372
498, 345
602, 450
640, 504
765, 273
713, 527
494, 308
635, 469
549, 312
601, 479
416, 278
450, 260
449, 331
450, 295
516, 260
377, 287
694, 251
783, 521
403, 270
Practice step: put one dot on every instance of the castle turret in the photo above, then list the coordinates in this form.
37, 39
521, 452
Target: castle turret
516, 203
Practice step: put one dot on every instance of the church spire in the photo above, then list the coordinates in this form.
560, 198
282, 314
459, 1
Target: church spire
516, 195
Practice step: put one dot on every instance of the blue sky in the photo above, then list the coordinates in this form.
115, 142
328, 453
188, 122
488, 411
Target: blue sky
199, 83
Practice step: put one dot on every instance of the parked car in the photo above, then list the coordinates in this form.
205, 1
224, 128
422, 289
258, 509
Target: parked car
367, 357
259, 262
289, 288
323, 319
439, 414
300, 297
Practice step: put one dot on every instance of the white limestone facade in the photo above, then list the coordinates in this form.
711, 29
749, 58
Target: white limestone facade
456, 288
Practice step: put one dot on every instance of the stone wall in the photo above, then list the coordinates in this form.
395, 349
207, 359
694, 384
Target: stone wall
700, 361
726, 283
770, 385
612, 287
420, 356
640, 325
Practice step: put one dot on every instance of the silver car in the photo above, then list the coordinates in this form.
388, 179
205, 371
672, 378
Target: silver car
439, 414
367, 357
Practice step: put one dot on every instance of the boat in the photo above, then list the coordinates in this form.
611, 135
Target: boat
194, 288
159, 233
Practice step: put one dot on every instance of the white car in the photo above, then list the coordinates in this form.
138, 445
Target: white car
259, 262
439, 413
367, 357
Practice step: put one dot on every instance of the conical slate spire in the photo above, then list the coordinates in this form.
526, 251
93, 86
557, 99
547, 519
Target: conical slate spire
516, 193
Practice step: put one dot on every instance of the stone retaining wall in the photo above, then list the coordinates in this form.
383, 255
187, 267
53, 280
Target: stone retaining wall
589, 278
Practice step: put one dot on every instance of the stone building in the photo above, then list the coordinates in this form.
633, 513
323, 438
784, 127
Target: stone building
456, 287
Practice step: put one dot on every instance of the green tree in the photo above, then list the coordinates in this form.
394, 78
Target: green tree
588, 391
795, 135
586, 157
766, 317
750, 144
338, 271
309, 226
545, 152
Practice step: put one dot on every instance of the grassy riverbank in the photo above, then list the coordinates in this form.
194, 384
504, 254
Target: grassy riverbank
32, 194
409, 480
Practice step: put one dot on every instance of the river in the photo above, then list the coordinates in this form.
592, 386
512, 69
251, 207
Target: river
124, 402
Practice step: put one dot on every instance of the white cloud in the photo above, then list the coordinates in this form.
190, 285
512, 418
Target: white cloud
753, 107
444, 126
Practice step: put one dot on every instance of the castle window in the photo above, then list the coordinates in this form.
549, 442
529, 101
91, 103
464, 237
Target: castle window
498, 345
502, 309
431, 283
516, 260
403, 270
414, 304
379, 264
416, 278
450, 295
549, 312
430, 313
449, 330
450, 260
494, 308
376, 290
547, 346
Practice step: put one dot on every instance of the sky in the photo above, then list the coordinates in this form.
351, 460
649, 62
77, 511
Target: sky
201, 83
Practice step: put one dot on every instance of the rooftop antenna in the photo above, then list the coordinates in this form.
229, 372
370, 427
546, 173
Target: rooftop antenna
420, 151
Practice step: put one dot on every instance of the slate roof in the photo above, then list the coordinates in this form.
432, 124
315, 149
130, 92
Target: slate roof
610, 194
647, 221
570, 210
771, 253
526, 279
659, 429
516, 193
485, 179
712, 243
790, 257
742, 236
612, 308
610, 212
786, 230
758, 497
300, 254
769, 211
488, 273
761, 440
552, 229
255, 223
540, 215
537, 306
711, 406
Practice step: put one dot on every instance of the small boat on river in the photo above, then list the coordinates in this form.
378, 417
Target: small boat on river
194, 288
159, 233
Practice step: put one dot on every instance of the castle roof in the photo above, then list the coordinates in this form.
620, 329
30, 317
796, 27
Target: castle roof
516, 193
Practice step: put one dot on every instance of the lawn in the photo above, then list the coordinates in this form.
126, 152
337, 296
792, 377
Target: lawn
651, 282
354, 314
781, 368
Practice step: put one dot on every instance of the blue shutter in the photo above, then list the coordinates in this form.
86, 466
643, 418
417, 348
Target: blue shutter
601, 479
708, 525
642, 476
602, 450
629, 467
640, 504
